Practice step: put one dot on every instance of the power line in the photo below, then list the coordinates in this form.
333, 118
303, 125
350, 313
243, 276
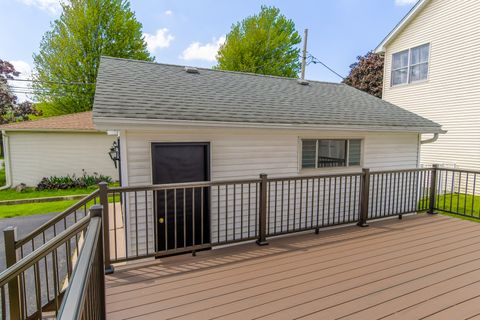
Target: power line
315, 60
54, 82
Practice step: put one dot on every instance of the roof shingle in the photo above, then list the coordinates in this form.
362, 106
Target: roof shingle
129, 89
81, 121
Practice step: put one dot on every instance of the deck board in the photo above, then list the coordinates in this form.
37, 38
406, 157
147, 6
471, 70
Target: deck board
421, 266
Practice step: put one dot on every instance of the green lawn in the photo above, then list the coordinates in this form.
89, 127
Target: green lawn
17, 210
12, 194
463, 204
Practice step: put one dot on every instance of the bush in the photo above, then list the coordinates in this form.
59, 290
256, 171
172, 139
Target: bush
72, 181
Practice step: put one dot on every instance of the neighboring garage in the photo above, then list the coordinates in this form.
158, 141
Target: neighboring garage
55, 146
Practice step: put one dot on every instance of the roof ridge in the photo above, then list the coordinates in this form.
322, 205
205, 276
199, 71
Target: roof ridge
217, 70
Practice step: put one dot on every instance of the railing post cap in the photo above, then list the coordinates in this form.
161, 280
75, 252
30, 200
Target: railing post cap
11, 229
436, 165
365, 169
263, 175
103, 184
96, 210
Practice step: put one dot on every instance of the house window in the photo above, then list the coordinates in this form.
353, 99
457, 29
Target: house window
324, 153
410, 65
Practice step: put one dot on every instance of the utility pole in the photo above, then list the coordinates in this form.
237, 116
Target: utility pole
304, 55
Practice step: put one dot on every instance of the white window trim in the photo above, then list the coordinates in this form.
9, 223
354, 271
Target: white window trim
409, 66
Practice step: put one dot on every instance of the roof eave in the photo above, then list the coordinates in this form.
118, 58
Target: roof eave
401, 25
108, 123
50, 130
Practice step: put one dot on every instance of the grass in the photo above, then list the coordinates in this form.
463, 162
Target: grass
28, 209
466, 206
12, 194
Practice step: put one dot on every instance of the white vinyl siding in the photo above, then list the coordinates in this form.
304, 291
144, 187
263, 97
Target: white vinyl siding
34, 155
246, 153
451, 95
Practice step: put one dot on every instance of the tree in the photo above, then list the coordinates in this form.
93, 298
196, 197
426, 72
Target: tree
10, 109
67, 63
367, 73
265, 43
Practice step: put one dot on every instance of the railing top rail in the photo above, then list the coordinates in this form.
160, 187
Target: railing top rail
75, 294
170, 186
56, 219
38, 254
401, 170
459, 170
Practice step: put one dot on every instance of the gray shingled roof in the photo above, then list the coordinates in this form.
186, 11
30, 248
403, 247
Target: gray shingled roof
129, 89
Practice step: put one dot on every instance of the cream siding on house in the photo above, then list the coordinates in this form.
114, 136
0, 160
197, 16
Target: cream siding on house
451, 95
245, 153
34, 155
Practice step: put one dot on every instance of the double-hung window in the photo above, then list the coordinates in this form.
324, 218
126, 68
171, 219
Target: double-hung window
410, 65
323, 153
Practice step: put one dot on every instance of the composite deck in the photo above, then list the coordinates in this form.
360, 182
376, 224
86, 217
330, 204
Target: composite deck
419, 267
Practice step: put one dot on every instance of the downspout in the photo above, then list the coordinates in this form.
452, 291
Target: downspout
431, 140
8, 168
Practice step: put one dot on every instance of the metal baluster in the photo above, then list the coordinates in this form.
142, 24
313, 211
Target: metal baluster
218, 214
184, 218
175, 230
466, 193
323, 202
226, 212
275, 216
166, 218
146, 220
241, 211
136, 221
201, 215
458, 191
473, 193
452, 191
281, 207
339, 198
234, 210
249, 207
115, 226
126, 224
306, 203
38, 290
329, 200
334, 199
193, 221
288, 207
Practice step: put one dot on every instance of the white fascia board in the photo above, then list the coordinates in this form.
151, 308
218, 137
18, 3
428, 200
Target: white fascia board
153, 124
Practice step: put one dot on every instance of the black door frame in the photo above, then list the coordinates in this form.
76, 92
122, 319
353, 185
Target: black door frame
207, 194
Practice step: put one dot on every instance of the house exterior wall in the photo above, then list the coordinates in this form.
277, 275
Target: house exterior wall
34, 155
244, 154
451, 95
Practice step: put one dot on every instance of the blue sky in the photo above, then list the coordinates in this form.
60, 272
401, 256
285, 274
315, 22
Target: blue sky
188, 32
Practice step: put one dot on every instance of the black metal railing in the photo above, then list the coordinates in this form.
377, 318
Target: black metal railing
313, 202
398, 192
85, 296
34, 285
456, 192
159, 220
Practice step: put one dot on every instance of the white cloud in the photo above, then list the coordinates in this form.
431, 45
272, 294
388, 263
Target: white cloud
404, 2
168, 13
207, 51
51, 6
22, 86
161, 39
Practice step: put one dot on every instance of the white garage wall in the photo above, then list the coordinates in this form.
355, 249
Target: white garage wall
245, 153
34, 155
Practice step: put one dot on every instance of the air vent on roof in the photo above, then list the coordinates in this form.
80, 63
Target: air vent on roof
302, 82
191, 70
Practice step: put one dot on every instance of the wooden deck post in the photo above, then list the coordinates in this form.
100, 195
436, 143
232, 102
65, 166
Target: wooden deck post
433, 190
262, 219
14, 299
364, 197
103, 186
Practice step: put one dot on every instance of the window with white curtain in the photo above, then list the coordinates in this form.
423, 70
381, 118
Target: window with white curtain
324, 153
410, 65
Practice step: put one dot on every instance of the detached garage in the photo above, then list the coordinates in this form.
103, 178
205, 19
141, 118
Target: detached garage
55, 146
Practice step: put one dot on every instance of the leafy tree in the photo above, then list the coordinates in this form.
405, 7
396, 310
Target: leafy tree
10, 109
264, 43
67, 63
367, 73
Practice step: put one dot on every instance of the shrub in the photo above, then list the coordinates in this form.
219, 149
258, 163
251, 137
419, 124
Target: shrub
72, 181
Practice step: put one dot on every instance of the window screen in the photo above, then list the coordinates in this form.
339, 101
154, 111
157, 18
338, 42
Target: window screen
323, 153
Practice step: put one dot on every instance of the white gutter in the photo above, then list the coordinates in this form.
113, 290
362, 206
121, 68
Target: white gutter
431, 140
105, 123
6, 155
